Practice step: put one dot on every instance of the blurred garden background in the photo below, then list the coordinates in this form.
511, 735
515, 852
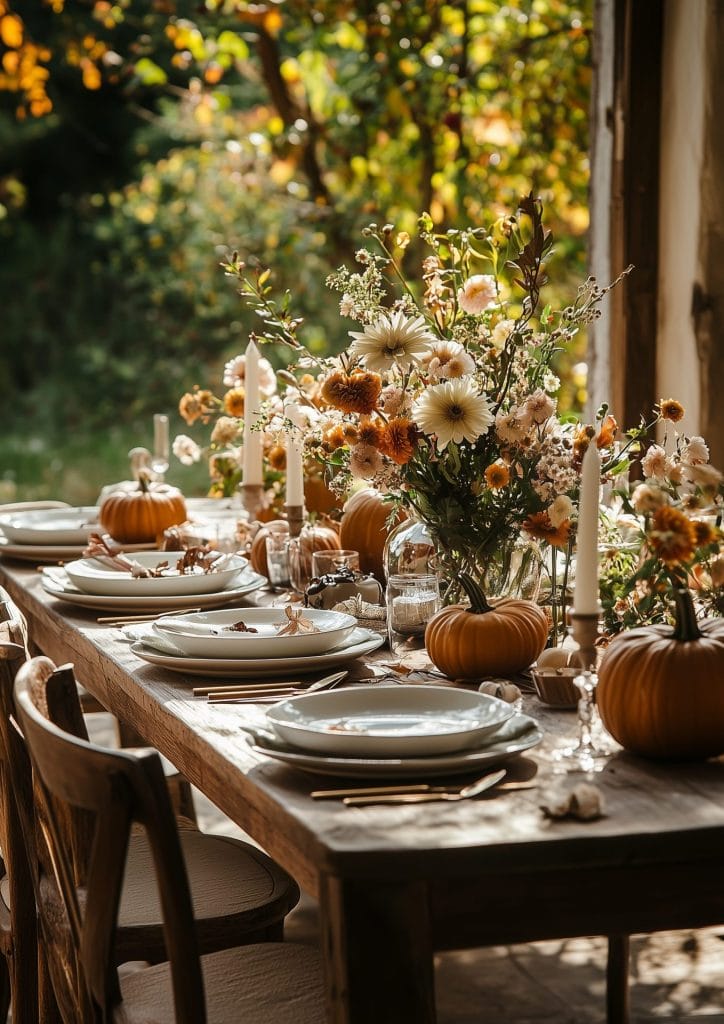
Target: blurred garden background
142, 141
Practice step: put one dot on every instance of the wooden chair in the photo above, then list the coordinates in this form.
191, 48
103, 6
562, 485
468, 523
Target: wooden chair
240, 895
273, 983
18, 934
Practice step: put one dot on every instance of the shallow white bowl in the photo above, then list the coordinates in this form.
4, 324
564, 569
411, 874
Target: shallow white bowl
203, 634
388, 721
94, 577
58, 526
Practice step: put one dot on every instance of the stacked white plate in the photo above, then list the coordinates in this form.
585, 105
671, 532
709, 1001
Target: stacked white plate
94, 583
204, 643
394, 731
47, 535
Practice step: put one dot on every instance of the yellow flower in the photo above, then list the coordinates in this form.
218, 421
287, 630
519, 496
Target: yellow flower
497, 476
399, 440
670, 409
539, 526
673, 536
234, 402
353, 392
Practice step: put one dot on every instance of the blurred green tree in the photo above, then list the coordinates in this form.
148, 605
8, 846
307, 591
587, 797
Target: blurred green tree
141, 140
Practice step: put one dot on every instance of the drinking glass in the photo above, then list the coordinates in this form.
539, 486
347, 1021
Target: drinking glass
412, 600
326, 562
277, 557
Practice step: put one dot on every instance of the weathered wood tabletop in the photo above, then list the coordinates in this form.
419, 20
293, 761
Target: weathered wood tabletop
396, 883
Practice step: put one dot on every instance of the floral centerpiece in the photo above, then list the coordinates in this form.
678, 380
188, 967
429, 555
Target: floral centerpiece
445, 397
663, 533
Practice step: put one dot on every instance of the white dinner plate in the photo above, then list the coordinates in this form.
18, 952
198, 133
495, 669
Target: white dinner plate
53, 553
208, 634
388, 721
360, 642
95, 576
57, 526
517, 735
246, 582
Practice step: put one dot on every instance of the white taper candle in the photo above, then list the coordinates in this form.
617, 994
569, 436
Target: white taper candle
295, 468
252, 453
585, 594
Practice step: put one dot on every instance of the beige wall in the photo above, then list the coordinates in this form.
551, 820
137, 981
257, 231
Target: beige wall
682, 152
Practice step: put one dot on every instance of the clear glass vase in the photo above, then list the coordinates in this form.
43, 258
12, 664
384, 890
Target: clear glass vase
512, 569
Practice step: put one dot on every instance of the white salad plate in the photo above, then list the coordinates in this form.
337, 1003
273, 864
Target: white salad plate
514, 737
359, 643
57, 526
209, 634
57, 584
96, 576
388, 721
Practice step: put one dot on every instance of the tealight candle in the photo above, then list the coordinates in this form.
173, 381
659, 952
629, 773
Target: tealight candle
585, 594
252, 453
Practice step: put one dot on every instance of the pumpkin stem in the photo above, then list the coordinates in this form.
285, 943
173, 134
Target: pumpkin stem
478, 601
685, 625
144, 480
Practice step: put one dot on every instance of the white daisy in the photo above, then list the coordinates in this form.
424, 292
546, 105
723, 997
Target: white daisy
454, 411
477, 294
392, 340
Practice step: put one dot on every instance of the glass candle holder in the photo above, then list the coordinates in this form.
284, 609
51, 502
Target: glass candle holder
412, 599
277, 556
326, 562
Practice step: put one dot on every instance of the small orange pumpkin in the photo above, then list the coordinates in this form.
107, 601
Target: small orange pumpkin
364, 528
314, 538
141, 515
485, 639
660, 690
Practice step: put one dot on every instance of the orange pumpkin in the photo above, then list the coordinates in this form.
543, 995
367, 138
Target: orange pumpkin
660, 690
141, 515
364, 528
485, 639
314, 538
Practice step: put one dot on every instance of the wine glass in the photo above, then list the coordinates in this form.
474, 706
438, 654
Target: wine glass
159, 459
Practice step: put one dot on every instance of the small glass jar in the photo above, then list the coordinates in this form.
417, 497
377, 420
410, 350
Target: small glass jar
412, 599
277, 557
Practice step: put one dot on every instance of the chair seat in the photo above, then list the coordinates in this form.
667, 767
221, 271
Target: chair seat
274, 983
235, 888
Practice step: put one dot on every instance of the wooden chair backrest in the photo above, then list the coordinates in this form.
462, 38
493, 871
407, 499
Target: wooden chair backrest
117, 788
16, 793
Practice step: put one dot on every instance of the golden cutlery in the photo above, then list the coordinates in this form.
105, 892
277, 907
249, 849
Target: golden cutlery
401, 788
271, 691
128, 620
487, 782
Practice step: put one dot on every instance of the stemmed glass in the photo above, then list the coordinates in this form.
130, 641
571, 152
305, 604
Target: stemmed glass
159, 459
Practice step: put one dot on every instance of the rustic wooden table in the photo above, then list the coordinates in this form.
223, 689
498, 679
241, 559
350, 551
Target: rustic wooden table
397, 883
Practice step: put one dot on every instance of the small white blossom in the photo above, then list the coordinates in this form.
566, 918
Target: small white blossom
560, 510
186, 450
477, 294
655, 463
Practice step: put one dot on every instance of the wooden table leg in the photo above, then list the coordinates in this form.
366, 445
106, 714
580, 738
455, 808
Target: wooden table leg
377, 950
617, 990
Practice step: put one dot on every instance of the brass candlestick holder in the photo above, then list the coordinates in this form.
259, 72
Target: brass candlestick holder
295, 518
584, 629
251, 498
